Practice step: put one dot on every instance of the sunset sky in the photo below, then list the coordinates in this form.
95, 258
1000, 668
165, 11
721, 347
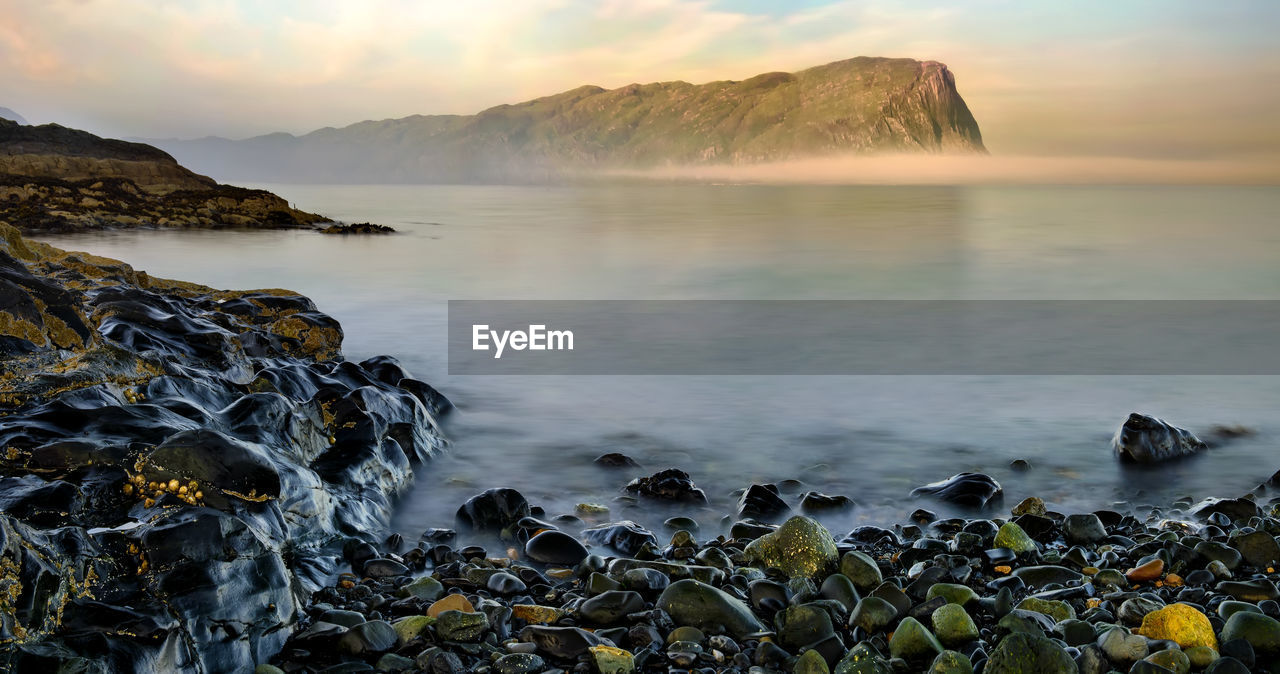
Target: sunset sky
1165, 80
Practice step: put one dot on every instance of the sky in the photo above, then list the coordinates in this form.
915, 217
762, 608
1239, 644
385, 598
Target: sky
1167, 79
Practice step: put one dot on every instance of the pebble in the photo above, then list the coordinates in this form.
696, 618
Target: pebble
1004, 597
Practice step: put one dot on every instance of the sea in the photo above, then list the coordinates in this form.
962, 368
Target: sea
872, 438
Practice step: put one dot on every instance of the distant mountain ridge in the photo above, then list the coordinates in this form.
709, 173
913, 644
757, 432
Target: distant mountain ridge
861, 105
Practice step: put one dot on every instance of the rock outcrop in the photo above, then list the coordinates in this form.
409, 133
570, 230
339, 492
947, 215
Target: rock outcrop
861, 105
180, 466
57, 179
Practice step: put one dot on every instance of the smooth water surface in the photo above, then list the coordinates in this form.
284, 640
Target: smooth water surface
872, 438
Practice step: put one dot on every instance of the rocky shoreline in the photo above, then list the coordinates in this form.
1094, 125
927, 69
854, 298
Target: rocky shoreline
55, 179
510, 588
185, 471
180, 465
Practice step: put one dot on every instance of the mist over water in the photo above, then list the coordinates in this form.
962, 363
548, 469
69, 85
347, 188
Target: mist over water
870, 437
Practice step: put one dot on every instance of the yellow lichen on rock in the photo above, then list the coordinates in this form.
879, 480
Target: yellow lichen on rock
1180, 623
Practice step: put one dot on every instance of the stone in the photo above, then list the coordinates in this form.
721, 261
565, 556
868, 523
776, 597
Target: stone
1180, 623
450, 602
645, 581
953, 593
1023, 653
873, 614
555, 547
1122, 647
1261, 631
460, 626
912, 641
668, 485
1058, 610
561, 642
1215, 551
519, 663
610, 607
611, 660
690, 602
425, 588
1253, 590
1171, 659
536, 615
1259, 549
616, 460
802, 625
374, 636
503, 583
970, 490
1012, 537
1032, 505
951, 662
1201, 656
762, 503
384, 568
408, 628
391, 662
1227, 666
800, 547
625, 536
1076, 632
1227, 608
838, 587
1082, 529
1146, 439
953, 626
494, 511
1134, 611
863, 659
1146, 573
814, 503
861, 569
811, 662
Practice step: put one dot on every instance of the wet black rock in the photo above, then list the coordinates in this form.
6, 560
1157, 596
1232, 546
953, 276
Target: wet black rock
626, 537
186, 461
761, 502
560, 642
616, 460
1146, 439
610, 607
495, 511
970, 490
669, 485
357, 228
555, 547
815, 503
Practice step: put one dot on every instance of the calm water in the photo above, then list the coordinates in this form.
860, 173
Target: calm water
872, 438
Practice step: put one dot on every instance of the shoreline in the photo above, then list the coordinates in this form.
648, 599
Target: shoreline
1008, 588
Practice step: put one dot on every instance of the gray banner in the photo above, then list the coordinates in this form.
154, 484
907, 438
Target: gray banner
784, 337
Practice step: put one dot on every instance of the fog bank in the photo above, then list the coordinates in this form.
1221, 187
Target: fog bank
980, 169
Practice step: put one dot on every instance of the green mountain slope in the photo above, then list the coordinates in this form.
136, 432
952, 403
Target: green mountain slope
860, 105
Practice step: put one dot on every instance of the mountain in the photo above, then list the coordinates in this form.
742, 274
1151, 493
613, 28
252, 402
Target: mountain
6, 113
861, 105
56, 179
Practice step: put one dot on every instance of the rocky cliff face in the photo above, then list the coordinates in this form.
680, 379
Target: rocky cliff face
180, 466
55, 179
862, 105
